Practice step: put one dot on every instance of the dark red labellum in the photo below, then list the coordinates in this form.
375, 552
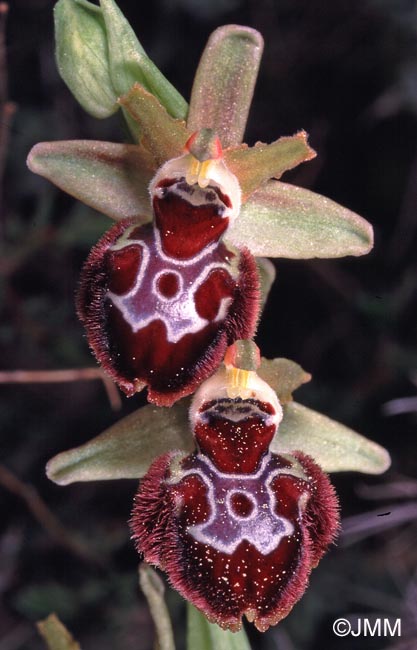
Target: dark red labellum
188, 218
237, 528
159, 321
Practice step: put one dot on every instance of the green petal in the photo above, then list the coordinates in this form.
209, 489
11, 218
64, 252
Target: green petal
267, 273
284, 376
282, 220
163, 135
129, 63
56, 635
253, 166
112, 178
202, 635
224, 83
332, 445
82, 56
127, 448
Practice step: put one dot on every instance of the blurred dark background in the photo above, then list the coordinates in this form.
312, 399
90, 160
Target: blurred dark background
346, 72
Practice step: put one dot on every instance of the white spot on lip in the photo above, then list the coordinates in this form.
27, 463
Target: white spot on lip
264, 530
179, 313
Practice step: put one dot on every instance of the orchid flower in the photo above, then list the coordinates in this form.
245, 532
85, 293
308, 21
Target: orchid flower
234, 502
169, 287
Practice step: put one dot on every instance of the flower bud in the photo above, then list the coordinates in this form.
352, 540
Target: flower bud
83, 58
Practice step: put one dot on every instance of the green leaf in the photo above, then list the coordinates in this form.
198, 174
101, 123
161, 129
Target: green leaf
284, 376
203, 635
56, 634
127, 448
253, 166
224, 83
332, 445
162, 135
129, 63
112, 178
281, 220
267, 273
82, 56
154, 589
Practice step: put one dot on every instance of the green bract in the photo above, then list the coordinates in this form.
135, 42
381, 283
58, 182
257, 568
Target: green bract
100, 58
82, 56
207, 636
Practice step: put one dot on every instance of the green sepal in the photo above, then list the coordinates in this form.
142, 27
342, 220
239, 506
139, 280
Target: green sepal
224, 83
129, 63
203, 635
112, 178
56, 635
127, 448
284, 376
82, 56
162, 135
254, 166
281, 220
267, 274
333, 446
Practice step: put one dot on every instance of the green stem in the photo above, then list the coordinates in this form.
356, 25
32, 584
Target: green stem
153, 588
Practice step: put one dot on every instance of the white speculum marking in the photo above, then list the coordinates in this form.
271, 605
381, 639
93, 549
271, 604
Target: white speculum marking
225, 529
145, 303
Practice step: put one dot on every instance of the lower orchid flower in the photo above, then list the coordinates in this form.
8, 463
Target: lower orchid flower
236, 527
234, 502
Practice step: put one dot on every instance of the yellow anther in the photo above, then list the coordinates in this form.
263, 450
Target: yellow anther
238, 382
198, 172
193, 171
204, 175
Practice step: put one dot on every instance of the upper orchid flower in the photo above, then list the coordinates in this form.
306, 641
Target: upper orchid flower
162, 301
173, 283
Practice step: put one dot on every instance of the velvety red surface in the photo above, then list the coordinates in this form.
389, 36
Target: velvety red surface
144, 353
234, 447
125, 265
229, 585
186, 229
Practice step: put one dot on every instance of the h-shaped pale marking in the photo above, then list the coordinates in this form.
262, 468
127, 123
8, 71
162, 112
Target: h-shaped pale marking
225, 529
178, 313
